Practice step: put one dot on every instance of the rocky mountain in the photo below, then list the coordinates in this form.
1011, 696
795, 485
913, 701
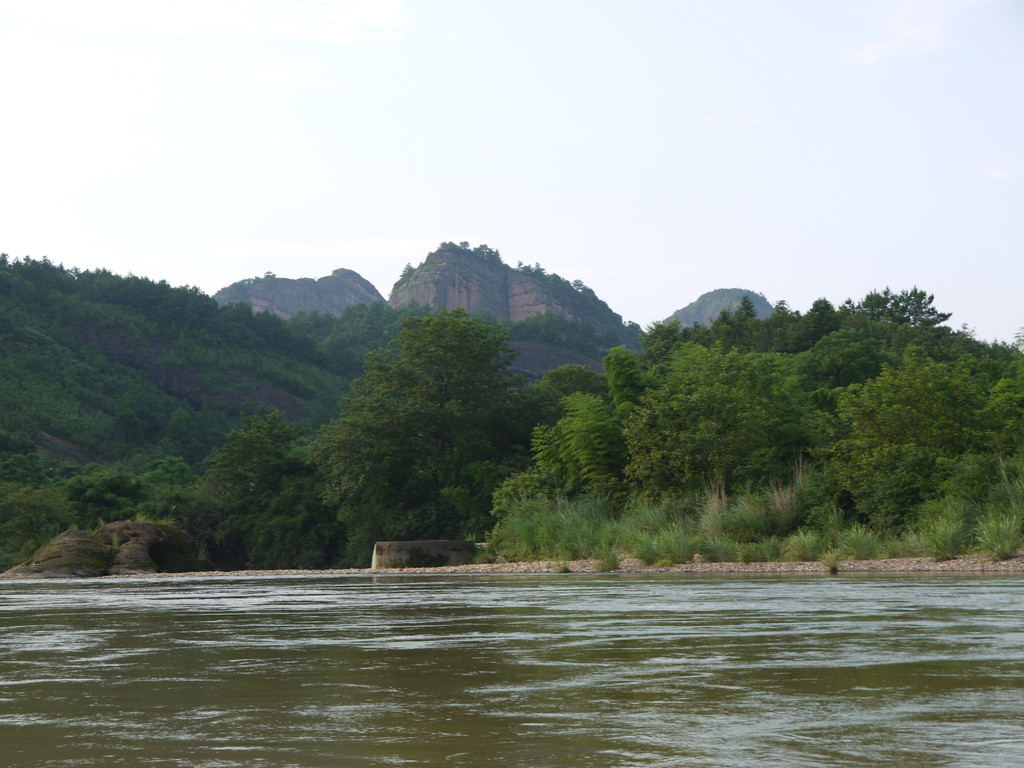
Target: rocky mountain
286, 297
477, 280
710, 305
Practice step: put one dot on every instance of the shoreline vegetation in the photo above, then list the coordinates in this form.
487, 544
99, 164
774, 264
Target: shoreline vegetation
964, 564
863, 432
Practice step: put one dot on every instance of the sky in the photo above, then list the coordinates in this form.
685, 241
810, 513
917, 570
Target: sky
655, 150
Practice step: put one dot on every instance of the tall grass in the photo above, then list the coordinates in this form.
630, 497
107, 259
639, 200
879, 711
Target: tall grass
675, 544
719, 549
806, 545
711, 511
830, 521
858, 542
998, 534
946, 534
541, 529
764, 551
755, 516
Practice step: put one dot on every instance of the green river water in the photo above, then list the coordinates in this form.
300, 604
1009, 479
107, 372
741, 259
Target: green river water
532, 671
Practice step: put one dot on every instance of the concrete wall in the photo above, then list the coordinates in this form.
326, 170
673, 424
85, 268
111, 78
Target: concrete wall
422, 554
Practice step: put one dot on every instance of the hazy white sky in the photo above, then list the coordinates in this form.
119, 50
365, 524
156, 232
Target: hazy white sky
653, 149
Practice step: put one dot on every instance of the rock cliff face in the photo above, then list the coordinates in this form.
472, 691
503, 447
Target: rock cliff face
285, 297
477, 281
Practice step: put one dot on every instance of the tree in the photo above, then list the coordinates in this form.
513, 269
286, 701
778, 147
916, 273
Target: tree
584, 453
913, 308
269, 513
842, 358
426, 433
659, 339
721, 418
626, 378
898, 434
570, 378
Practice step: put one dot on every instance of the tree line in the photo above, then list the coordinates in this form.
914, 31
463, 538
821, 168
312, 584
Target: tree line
872, 411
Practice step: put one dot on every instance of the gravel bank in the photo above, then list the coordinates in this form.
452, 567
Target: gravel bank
965, 564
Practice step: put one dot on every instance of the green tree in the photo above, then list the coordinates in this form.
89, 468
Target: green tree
426, 433
720, 418
842, 358
913, 308
102, 494
627, 380
900, 433
585, 452
29, 517
267, 496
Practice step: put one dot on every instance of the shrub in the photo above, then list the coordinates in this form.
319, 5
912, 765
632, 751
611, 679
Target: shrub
803, 546
998, 534
858, 543
945, 536
746, 519
607, 559
675, 544
830, 560
719, 549
764, 551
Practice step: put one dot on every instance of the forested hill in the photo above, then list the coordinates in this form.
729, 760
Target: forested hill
98, 367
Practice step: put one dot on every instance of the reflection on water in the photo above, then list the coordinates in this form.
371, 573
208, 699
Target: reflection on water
533, 671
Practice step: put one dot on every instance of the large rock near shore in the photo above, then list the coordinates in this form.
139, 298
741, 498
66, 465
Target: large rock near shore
117, 548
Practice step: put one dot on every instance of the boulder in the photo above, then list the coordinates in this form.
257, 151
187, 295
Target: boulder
151, 547
72, 553
122, 547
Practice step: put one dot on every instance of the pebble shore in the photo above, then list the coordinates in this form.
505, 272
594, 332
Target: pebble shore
966, 564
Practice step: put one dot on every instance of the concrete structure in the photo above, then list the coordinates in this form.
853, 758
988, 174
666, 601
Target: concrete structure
422, 554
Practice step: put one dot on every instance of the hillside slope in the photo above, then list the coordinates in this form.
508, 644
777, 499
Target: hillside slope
98, 367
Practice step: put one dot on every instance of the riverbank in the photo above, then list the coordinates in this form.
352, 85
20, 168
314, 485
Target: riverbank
964, 564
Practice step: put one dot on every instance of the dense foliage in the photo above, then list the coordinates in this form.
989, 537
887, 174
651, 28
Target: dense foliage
298, 443
872, 418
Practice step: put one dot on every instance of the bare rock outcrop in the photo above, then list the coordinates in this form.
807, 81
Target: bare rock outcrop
285, 297
119, 548
476, 280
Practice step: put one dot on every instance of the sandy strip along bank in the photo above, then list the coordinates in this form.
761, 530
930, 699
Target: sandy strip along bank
966, 564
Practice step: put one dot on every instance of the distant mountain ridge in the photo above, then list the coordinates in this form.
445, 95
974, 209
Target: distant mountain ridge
286, 297
709, 306
541, 307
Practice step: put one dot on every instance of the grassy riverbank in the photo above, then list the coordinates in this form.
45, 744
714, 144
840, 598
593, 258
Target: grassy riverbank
775, 525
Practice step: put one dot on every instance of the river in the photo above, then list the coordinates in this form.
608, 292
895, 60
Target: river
531, 671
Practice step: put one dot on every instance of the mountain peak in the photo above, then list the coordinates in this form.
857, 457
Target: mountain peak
285, 297
709, 305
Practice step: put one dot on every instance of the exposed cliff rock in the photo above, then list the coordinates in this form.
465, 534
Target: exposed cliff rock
479, 282
121, 547
710, 305
286, 297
